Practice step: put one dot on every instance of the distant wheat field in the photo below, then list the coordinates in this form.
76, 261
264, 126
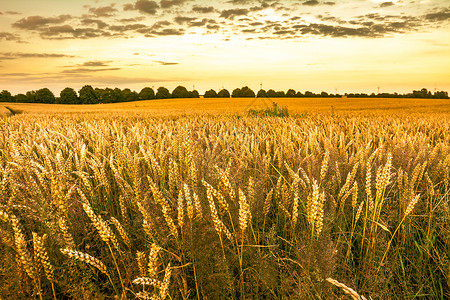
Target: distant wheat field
199, 199
241, 105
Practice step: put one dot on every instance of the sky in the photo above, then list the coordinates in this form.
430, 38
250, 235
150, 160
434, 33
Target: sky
333, 46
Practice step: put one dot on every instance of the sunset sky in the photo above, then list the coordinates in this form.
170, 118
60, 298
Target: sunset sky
343, 46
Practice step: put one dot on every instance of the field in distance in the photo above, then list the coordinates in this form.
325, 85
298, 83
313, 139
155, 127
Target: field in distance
241, 105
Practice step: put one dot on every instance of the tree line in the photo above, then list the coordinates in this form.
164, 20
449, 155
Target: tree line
89, 95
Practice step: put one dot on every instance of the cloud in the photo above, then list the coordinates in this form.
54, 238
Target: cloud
68, 32
9, 36
231, 13
387, 4
96, 63
34, 22
17, 55
129, 20
143, 6
167, 32
164, 63
128, 6
87, 70
100, 24
170, 3
198, 23
11, 13
442, 15
105, 11
203, 9
183, 20
311, 3
240, 2
129, 27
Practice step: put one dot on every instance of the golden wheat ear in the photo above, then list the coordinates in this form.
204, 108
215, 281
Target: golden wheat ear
86, 258
349, 291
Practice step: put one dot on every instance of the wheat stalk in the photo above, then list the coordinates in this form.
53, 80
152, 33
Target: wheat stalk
152, 260
349, 291
123, 234
86, 258
41, 256
244, 212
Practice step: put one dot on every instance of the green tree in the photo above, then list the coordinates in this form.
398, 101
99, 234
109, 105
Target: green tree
20, 98
106, 95
261, 94
162, 93
223, 93
271, 93
117, 95
45, 96
68, 96
87, 95
146, 94
210, 94
6, 96
247, 92
440, 95
280, 94
31, 96
180, 92
290, 93
236, 93
193, 94
129, 95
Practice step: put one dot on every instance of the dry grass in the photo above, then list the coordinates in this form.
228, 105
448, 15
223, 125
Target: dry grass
229, 205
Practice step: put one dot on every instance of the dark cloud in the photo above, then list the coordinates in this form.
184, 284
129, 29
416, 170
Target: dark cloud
231, 13
167, 31
387, 4
160, 24
96, 63
87, 70
213, 27
68, 32
311, 3
16, 55
183, 20
442, 15
164, 63
11, 13
105, 11
143, 6
233, 20
100, 24
170, 3
198, 23
9, 36
203, 9
128, 6
130, 20
240, 2
129, 27
34, 22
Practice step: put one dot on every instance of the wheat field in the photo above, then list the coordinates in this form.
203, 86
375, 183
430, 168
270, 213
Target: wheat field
122, 203
229, 106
